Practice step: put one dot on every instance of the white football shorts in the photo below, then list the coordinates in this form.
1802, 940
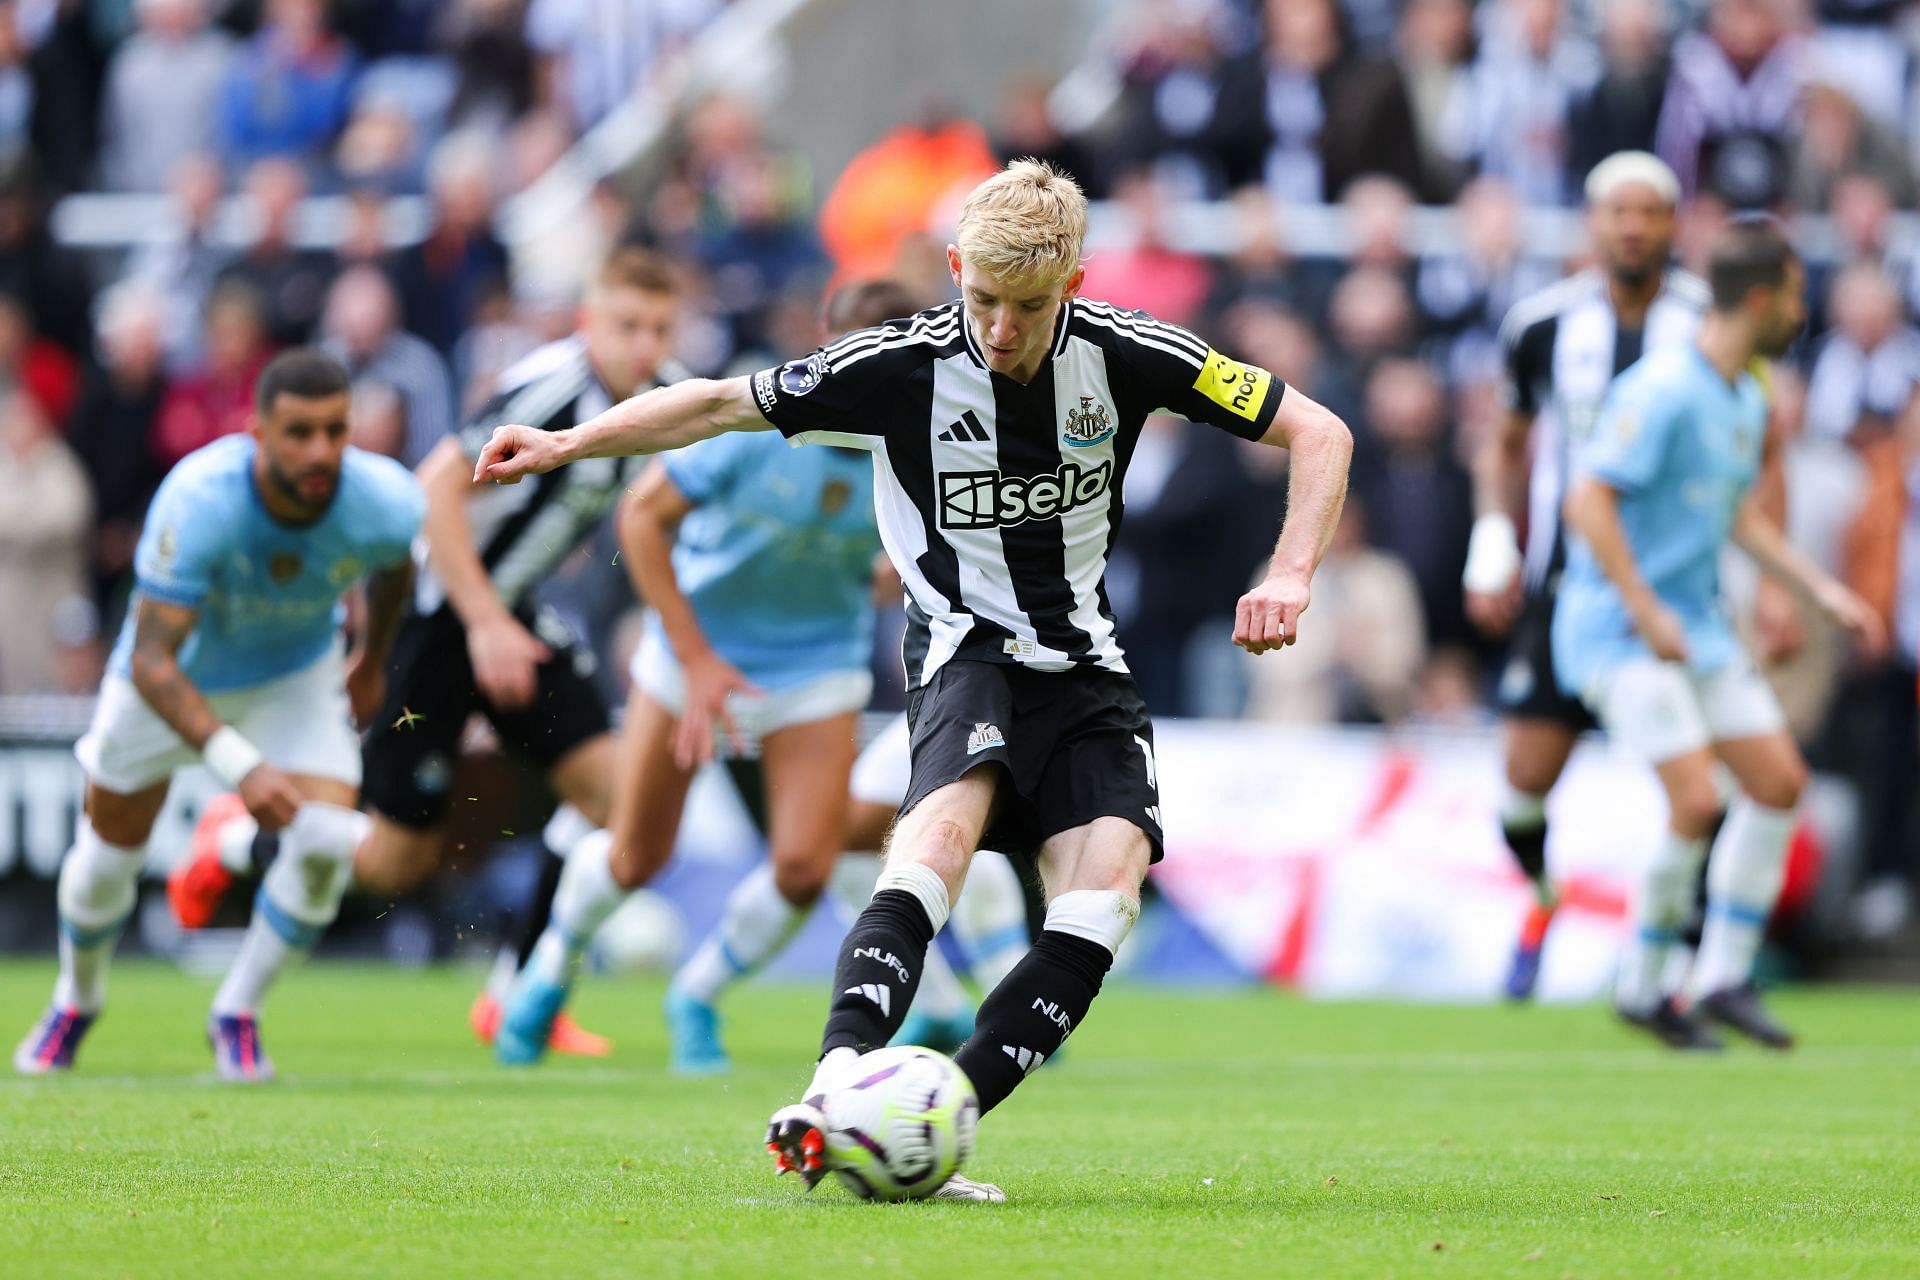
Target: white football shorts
1658, 711
301, 723
656, 673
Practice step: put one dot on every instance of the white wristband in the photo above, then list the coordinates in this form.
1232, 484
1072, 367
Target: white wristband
230, 755
1493, 555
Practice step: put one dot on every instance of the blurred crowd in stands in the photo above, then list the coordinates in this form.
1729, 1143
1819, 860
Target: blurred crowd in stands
113, 365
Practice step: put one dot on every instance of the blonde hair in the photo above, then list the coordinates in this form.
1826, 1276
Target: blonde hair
1025, 223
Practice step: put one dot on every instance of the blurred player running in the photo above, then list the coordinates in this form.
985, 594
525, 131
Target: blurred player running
1001, 425
760, 577
231, 656
1641, 632
476, 640
1563, 347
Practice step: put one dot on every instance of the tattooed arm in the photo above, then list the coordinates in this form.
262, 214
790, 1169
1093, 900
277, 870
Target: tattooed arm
159, 629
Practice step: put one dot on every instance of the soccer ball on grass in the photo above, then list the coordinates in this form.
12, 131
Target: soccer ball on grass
901, 1124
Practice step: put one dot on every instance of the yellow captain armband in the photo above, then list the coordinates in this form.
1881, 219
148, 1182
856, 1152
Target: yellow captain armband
1238, 388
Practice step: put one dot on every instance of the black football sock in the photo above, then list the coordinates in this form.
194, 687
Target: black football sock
540, 906
1025, 1019
1528, 841
878, 972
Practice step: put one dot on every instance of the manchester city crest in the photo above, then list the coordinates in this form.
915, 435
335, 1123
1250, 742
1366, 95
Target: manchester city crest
1088, 425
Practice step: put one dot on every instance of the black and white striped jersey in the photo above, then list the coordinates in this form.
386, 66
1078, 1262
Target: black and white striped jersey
523, 531
1564, 346
999, 502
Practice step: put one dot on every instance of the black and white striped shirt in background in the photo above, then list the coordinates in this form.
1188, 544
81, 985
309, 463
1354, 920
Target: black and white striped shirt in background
999, 502
525, 530
1563, 346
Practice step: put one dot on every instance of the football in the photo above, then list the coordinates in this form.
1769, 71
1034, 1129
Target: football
901, 1125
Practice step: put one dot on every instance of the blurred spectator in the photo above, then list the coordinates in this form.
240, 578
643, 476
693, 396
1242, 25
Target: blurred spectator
16, 85
1332, 115
594, 53
183, 261
287, 94
1622, 109
891, 190
1197, 525
216, 399
1435, 48
1025, 128
1449, 694
1838, 140
1532, 68
1260, 267
362, 331
1418, 495
757, 246
1187, 113
162, 92
364, 238
1357, 661
1464, 295
113, 433
1371, 318
41, 370
1732, 101
1869, 365
493, 64
46, 517
48, 278
377, 418
290, 281
1147, 274
442, 279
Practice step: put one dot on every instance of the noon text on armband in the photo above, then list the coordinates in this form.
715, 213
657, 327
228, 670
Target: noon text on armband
991, 500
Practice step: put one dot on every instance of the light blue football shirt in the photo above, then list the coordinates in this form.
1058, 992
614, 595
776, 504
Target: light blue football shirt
268, 593
777, 556
1681, 445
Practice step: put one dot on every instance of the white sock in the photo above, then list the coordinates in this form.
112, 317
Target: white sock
756, 923
97, 889
586, 896
235, 844
1659, 910
500, 975
990, 919
299, 897
1743, 882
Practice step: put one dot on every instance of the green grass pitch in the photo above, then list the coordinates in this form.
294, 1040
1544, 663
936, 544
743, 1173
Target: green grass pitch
1185, 1135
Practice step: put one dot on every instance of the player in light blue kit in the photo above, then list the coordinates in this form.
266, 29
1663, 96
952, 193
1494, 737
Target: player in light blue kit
759, 574
1642, 634
231, 655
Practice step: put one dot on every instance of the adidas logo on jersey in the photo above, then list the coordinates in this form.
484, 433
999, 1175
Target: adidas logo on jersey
984, 737
1025, 1059
991, 500
969, 429
875, 992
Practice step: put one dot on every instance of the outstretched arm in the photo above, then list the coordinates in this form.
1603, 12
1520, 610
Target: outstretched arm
387, 591
651, 422
1320, 450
